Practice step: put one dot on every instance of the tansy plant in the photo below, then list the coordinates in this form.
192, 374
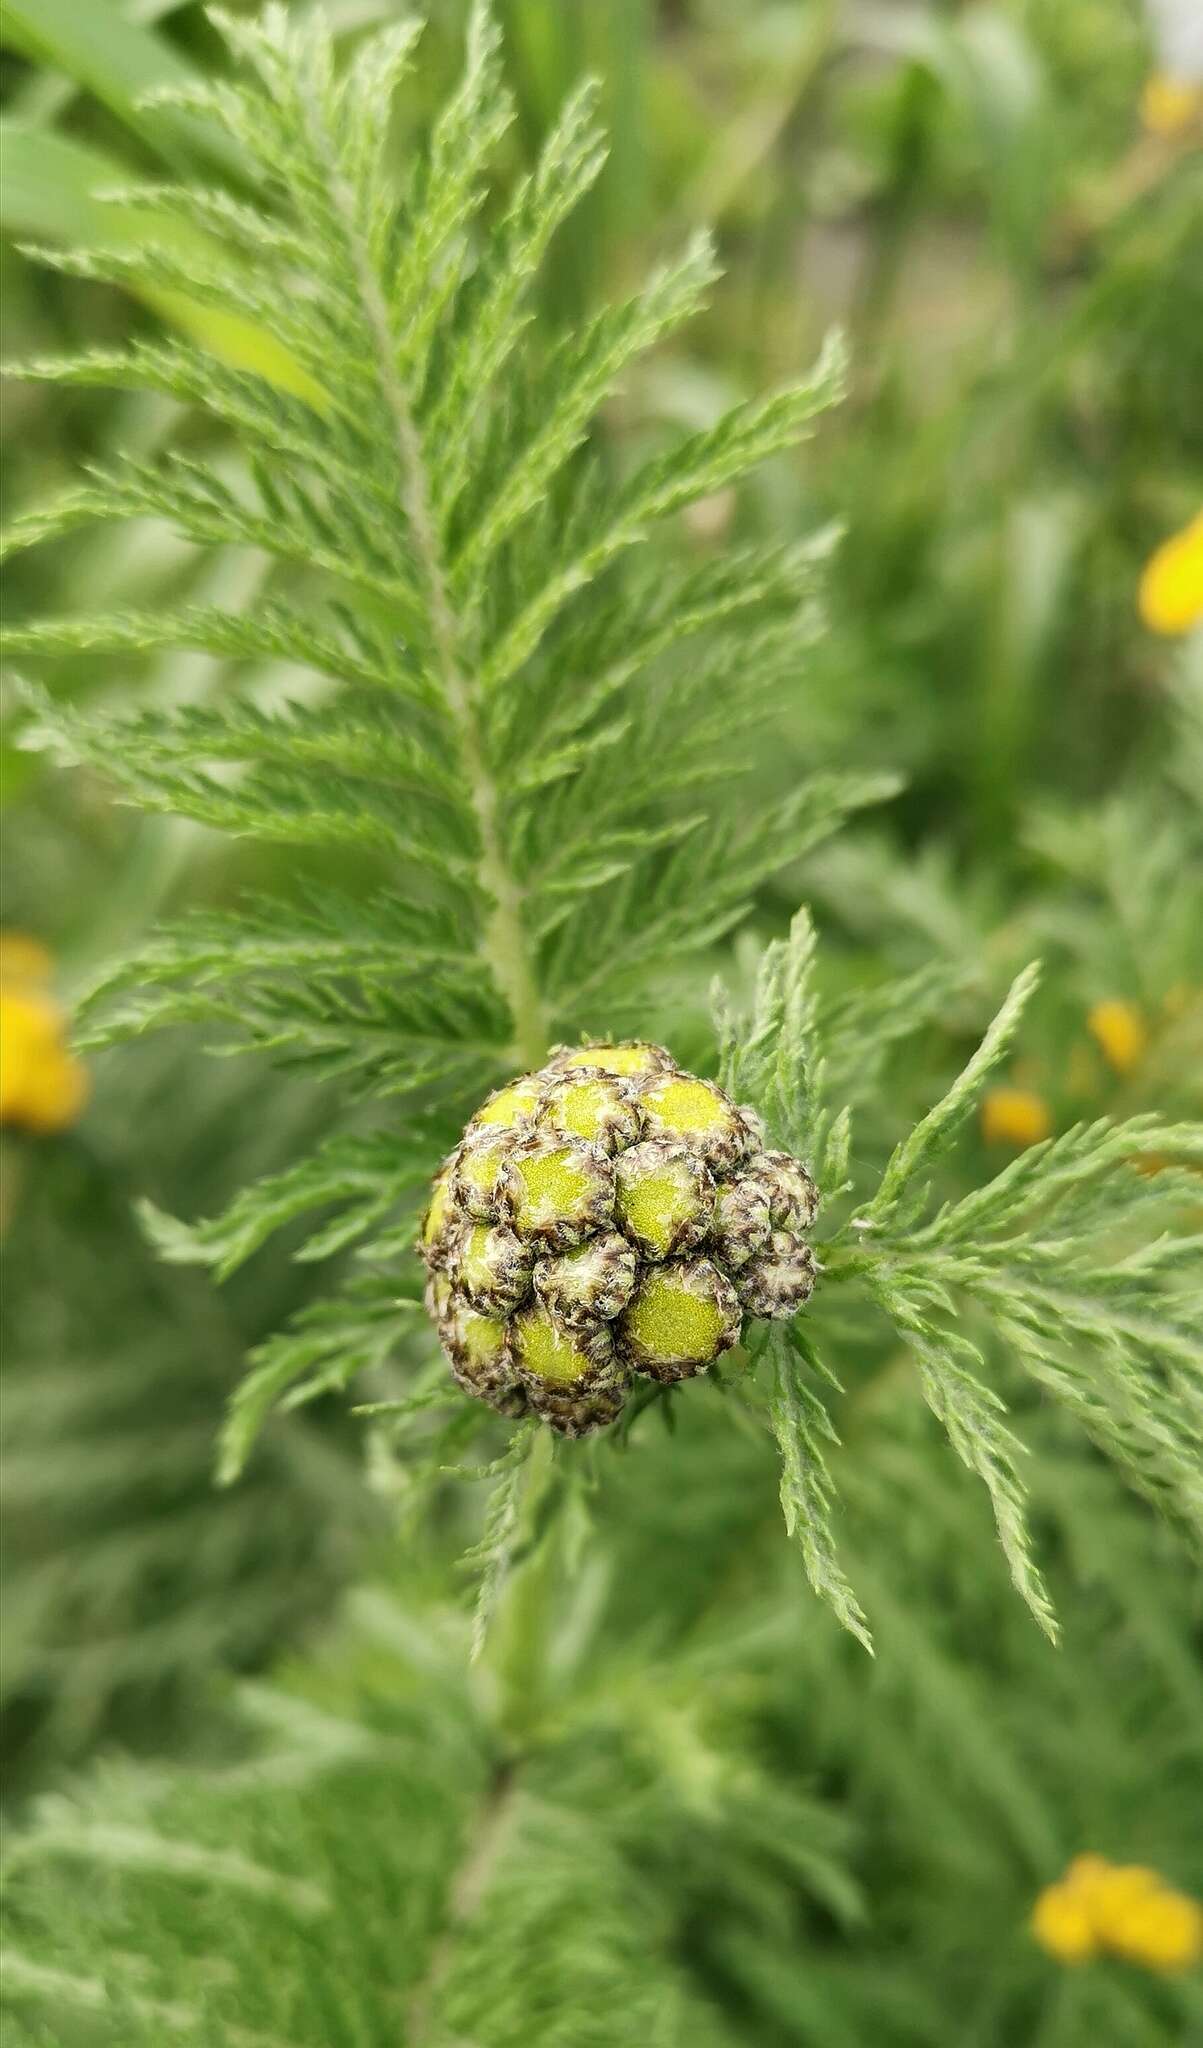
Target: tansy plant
510, 797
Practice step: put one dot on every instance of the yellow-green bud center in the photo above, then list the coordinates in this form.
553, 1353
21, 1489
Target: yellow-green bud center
597, 1107
483, 1337
558, 1192
663, 1198
697, 1114
548, 1353
477, 1171
613, 1059
510, 1105
668, 1321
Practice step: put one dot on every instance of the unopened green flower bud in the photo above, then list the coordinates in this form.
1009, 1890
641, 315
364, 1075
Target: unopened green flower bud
557, 1191
742, 1221
578, 1411
696, 1112
633, 1056
572, 1378
792, 1195
602, 1108
682, 1315
592, 1283
779, 1281
491, 1267
479, 1350
665, 1197
476, 1175
511, 1107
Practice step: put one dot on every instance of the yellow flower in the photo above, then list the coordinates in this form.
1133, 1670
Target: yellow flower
1116, 1892
1015, 1116
1062, 1924
1126, 1910
42, 1087
1171, 588
1119, 1030
1170, 106
1140, 1917
1163, 1931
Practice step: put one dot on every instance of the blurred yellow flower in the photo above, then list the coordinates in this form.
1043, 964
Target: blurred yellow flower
1169, 106
1171, 587
1101, 1908
1120, 1032
1163, 1931
1062, 1924
1015, 1116
42, 1086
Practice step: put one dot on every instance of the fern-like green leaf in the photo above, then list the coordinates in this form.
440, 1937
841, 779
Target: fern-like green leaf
800, 1422
1070, 1265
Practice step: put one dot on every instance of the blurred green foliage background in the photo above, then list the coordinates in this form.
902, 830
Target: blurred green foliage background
1017, 258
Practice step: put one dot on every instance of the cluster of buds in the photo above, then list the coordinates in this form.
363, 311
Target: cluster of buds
610, 1215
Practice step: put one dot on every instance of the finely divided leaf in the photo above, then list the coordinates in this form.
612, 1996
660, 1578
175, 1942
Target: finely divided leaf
800, 1423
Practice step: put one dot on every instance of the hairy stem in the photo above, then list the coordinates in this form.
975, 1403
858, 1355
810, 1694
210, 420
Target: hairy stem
504, 944
517, 1644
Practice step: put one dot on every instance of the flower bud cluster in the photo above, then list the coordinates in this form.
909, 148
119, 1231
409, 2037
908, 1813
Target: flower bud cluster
610, 1215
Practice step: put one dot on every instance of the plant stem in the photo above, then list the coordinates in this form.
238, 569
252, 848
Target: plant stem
518, 1638
504, 944
465, 1894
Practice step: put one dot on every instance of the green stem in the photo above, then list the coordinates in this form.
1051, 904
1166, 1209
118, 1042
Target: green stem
504, 943
519, 1634
517, 1659
465, 1895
